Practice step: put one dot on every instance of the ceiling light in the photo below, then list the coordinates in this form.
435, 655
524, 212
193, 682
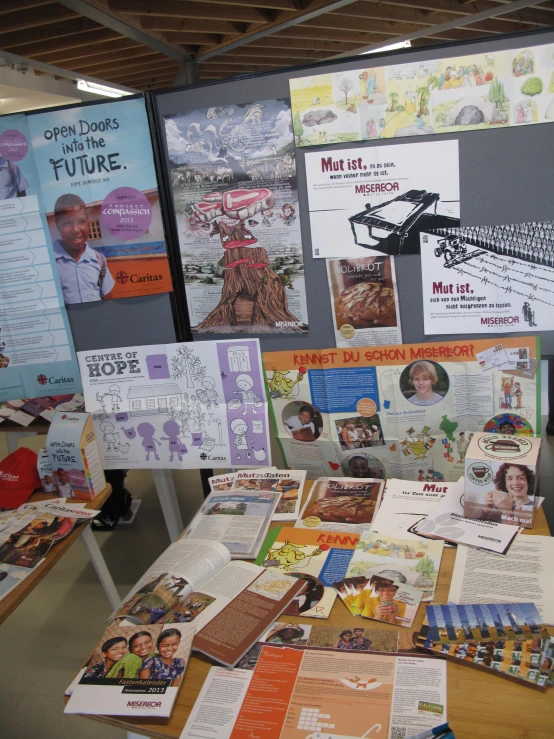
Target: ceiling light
390, 47
97, 89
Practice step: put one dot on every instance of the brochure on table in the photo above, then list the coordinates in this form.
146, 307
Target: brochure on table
340, 693
374, 200
181, 406
341, 504
96, 169
233, 175
24, 411
447, 521
424, 399
364, 300
478, 279
119, 682
290, 483
315, 557
489, 90
37, 356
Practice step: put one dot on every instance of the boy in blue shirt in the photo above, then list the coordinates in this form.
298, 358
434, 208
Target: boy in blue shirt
83, 271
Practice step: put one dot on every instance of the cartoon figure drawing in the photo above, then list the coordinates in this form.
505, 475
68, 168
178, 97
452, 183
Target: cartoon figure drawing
146, 432
507, 385
110, 436
289, 555
280, 386
249, 398
240, 439
209, 386
172, 429
518, 393
528, 314
114, 397
461, 445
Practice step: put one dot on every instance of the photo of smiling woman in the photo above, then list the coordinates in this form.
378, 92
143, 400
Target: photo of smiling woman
424, 383
512, 501
83, 271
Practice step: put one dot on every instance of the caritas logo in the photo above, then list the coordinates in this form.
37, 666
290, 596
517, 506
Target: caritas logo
8, 477
144, 704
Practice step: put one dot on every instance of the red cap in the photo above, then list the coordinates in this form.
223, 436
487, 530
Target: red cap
18, 477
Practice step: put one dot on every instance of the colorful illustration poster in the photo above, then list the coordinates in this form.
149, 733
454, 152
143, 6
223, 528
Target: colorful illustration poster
364, 300
376, 200
234, 185
99, 186
403, 411
37, 356
180, 406
473, 92
482, 278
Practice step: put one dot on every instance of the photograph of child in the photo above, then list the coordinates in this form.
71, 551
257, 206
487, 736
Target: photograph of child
148, 653
379, 602
363, 466
83, 271
302, 421
424, 383
509, 502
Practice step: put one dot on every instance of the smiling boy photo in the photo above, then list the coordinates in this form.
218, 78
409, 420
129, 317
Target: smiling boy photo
83, 271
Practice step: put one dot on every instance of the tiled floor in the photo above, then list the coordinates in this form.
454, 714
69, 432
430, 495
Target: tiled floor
47, 638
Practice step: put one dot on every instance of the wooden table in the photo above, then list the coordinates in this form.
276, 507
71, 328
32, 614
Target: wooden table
19, 593
480, 706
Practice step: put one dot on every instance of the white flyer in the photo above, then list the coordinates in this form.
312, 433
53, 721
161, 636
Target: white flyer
374, 200
405, 504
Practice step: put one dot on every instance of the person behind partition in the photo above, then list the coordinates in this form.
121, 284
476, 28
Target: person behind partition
83, 271
423, 377
12, 180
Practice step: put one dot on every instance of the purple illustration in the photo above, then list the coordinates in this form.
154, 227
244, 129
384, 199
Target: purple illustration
122, 417
241, 377
129, 433
126, 213
146, 432
172, 429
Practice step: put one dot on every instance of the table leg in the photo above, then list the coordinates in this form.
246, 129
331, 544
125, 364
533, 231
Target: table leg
163, 480
12, 437
99, 564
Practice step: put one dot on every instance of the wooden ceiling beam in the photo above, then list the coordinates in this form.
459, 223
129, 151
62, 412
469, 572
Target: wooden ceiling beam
10, 5
152, 77
297, 56
290, 5
536, 16
330, 34
153, 23
22, 20
400, 14
228, 61
82, 51
345, 23
69, 32
98, 70
136, 70
279, 42
117, 57
182, 9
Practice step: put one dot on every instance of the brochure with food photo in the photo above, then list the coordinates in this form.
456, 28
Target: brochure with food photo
341, 504
290, 483
316, 558
134, 671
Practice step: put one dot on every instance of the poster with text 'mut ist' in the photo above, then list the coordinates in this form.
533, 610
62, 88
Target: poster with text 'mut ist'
99, 187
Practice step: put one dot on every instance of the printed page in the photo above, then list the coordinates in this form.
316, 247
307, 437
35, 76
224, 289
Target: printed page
447, 521
290, 483
218, 704
404, 504
522, 575
178, 406
239, 520
341, 504
181, 569
419, 701
238, 627
364, 300
213, 596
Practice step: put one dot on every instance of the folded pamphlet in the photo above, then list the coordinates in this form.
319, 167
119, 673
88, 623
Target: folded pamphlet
341, 504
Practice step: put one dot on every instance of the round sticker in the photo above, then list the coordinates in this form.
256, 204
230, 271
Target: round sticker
480, 473
312, 521
126, 213
366, 407
347, 331
13, 145
504, 447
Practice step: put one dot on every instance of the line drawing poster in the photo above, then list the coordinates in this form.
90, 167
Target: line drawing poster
481, 91
180, 406
37, 356
478, 279
99, 186
370, 201
233, 175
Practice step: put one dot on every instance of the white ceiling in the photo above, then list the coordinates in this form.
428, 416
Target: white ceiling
17, 99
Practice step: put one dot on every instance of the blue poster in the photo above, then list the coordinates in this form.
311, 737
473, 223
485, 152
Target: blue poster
37, 356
